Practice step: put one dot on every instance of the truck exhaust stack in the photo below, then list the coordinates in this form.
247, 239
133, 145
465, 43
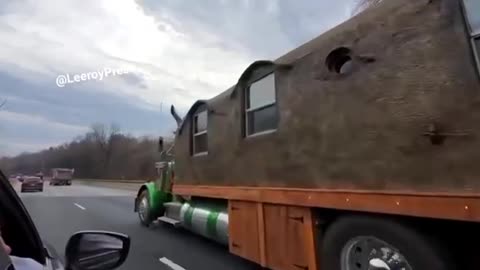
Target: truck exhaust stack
175, 115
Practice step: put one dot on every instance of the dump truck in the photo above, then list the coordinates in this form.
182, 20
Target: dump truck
356, 150
61, 176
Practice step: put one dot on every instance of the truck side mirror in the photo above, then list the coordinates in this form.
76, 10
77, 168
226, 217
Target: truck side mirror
160, 144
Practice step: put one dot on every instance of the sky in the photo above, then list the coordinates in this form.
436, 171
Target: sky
137, 58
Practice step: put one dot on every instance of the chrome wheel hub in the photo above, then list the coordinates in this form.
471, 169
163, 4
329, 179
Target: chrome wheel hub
143, 208
371, 253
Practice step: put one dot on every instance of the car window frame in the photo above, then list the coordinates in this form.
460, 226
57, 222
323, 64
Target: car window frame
10, 201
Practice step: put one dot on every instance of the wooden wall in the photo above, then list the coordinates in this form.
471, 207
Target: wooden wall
412, 68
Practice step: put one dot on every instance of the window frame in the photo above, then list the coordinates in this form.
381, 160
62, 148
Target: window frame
197, 134
473, 36
476, 53
251, 110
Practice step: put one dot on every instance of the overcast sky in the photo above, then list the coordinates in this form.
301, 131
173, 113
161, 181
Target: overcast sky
177, 51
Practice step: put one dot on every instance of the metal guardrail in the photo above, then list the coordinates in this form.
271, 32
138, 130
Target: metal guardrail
112, 181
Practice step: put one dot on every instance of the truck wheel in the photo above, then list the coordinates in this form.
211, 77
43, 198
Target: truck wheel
144, 213
69, 183
363, 243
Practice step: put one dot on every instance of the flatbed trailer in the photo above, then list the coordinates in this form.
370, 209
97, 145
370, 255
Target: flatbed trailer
357, 150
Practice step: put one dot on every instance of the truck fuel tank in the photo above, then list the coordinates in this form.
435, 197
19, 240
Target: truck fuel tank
209, 223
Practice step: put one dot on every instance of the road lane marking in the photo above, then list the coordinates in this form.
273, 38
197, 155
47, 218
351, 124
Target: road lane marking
171, 264
79, 206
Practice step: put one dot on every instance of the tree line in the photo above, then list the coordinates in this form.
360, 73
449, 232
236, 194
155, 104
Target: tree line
102, 153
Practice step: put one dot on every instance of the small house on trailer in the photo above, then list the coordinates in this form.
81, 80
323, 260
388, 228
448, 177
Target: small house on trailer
388, 100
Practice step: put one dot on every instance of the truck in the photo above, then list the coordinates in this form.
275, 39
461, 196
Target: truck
356, 150
61, 176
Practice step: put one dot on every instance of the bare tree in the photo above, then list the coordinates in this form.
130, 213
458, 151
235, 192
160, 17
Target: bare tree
104, 138
103, 152
362, 5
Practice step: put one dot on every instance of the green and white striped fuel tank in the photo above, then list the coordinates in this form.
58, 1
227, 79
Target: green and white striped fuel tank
208, 223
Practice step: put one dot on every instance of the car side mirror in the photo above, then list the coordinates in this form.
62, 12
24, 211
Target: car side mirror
96, 250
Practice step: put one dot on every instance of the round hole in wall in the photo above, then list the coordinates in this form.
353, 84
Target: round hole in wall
339, 60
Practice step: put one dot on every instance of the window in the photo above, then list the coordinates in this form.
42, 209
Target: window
339, 61
472, 9
261, 109
200, 139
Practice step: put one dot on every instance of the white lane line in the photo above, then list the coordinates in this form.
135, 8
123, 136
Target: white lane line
171, 264
79, 206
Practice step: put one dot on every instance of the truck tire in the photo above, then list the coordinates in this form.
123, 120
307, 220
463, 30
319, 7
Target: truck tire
144, 211
69, 183
353, 243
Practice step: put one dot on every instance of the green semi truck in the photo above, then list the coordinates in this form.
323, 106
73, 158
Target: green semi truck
156, 202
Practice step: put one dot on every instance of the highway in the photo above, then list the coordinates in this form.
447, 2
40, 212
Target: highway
60, 211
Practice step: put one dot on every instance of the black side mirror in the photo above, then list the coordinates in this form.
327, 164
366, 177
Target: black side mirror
160, 144
96, 250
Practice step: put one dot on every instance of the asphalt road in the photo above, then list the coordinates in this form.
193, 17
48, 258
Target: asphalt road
60, 211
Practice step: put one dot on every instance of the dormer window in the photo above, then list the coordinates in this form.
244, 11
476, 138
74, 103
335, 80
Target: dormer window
472, 9
200, 136
261, 110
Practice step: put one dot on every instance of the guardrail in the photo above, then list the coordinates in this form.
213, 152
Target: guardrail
112, 180
132, 185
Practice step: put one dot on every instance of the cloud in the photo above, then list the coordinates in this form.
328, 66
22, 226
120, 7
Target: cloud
71, 37
261, 29
17, 129
182, 51
37, 122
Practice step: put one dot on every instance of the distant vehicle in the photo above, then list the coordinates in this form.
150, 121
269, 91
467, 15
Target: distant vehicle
31, 183
40, 174
62, 176
20, 178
